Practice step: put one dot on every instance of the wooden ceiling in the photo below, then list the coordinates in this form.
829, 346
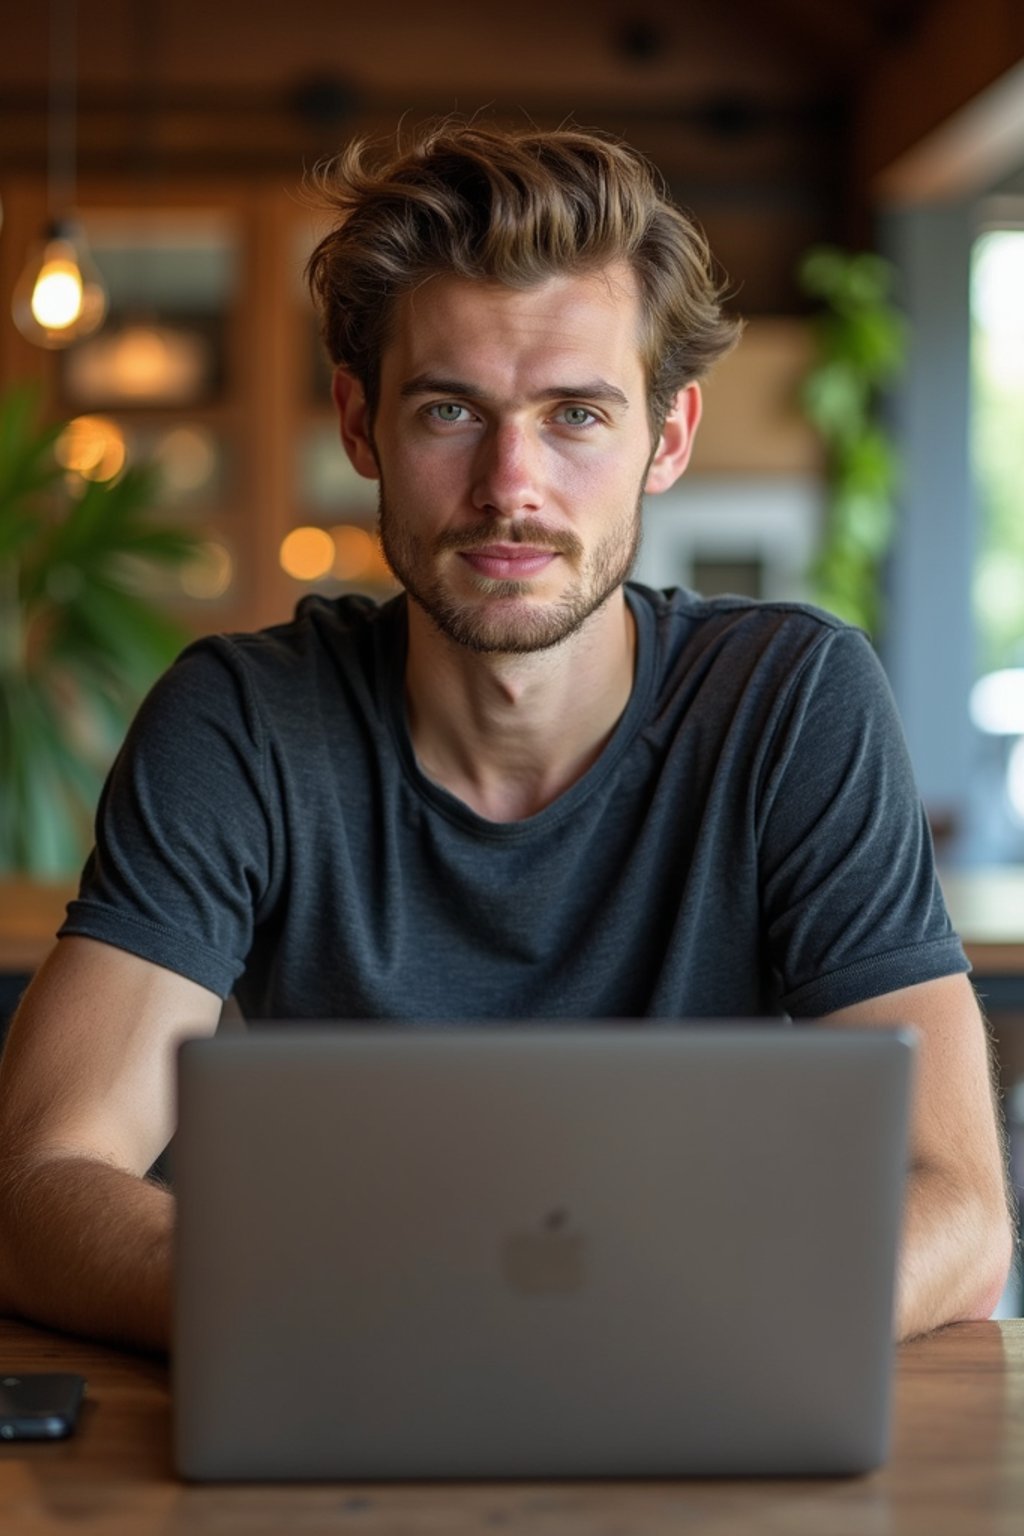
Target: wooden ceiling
768, 117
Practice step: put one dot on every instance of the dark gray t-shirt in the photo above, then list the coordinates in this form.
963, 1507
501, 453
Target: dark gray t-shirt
750, 841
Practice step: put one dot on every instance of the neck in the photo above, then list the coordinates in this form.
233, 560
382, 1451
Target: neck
509, 734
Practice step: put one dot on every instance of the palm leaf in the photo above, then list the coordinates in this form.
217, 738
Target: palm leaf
49, 788
27, 465
81, 640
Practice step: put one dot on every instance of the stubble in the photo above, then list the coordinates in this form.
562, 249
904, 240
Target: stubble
505, 619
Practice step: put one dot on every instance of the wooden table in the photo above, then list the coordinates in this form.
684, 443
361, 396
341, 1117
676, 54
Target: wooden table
957, 1468
31, 911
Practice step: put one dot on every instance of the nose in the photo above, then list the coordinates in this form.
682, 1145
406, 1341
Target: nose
506, 472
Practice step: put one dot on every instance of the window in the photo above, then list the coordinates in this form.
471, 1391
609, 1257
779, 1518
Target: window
997, 448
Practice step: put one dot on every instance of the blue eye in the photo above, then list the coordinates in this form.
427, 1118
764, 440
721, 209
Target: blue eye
577, 416
448, 411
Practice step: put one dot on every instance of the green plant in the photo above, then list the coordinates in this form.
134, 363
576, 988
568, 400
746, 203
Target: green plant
79, 641
861, 343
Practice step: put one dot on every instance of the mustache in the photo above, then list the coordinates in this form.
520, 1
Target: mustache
524, 530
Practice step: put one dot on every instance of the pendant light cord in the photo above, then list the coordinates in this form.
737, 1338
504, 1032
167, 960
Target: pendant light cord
61, 159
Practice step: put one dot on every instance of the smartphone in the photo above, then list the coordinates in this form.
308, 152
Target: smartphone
40, 1405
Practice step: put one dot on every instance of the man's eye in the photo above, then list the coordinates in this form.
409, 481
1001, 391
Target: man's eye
577, 416
448, 411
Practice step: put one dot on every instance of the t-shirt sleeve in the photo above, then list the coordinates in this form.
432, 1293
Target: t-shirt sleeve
852, 904
184, 838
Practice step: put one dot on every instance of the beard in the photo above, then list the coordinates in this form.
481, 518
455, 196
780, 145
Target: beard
508, 621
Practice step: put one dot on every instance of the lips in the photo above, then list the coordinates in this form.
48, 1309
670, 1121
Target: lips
508, 562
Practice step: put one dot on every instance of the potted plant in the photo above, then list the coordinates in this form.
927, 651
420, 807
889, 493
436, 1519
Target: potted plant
79, 639
861, 346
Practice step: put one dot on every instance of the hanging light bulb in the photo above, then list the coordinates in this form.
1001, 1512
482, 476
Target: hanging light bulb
56, 301
59, 297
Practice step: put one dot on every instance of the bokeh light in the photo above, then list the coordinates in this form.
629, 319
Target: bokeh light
210, 573
188, 458
92, 447
997, 702
307, 554
355, 551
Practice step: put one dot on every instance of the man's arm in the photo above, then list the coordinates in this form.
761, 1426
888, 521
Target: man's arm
958, 1231
86, 1106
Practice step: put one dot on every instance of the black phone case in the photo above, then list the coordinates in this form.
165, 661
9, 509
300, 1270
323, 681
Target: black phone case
40, 1405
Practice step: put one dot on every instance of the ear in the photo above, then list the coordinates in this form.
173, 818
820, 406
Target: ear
354, 417
676, 442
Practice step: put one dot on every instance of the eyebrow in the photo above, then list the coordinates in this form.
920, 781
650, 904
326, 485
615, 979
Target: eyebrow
597, 390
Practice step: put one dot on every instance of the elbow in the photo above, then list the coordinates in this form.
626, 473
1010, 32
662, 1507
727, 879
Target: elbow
959, 1248
998, 1259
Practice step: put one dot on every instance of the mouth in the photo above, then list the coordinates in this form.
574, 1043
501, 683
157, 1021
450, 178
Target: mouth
508, 562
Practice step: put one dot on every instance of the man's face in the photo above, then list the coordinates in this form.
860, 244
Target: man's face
512, 443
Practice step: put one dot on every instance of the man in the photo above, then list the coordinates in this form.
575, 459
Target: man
526, 791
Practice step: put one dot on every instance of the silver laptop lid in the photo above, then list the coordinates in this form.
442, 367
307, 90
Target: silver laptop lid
537, 1252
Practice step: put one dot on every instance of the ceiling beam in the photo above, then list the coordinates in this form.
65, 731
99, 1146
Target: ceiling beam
939, 115
969, 153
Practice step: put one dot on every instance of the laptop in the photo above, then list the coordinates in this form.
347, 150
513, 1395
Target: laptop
541, 1252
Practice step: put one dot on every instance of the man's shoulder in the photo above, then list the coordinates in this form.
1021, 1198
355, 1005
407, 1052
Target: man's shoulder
323, 633
772, 634
730, 610
318, 622
736, 660
332, 656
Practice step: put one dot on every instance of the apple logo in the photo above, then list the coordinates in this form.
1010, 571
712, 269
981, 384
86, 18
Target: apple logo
548, 1260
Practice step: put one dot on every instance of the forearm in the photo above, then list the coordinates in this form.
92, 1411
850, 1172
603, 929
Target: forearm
87, 1248
955, 1254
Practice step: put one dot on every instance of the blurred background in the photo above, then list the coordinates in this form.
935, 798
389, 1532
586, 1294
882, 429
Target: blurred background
177, 135
858, 166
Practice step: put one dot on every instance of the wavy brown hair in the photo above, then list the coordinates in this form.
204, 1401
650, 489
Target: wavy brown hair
514, 207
